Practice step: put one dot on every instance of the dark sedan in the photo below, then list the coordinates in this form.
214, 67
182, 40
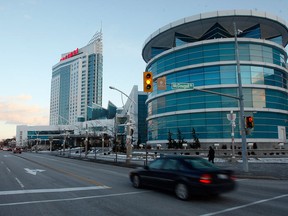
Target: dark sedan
185, 175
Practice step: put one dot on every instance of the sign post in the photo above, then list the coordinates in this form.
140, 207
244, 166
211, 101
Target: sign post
232, 117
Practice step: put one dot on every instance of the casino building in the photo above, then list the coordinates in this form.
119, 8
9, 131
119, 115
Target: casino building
201, 50
76, 83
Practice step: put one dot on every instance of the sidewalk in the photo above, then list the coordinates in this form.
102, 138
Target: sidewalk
263, 170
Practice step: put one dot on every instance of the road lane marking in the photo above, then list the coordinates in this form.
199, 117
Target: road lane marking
8, 169
81, 178
19, 182
33, 171
71, 199
54, 190
244, 206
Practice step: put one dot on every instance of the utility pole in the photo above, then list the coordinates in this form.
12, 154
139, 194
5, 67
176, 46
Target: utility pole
241, 104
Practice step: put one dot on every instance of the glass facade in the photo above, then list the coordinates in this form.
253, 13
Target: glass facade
76, 84
210, 63
142, 115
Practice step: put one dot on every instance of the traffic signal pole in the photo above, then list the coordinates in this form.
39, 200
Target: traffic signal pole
241, 105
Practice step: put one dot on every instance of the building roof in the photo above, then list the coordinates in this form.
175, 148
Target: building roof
196, 26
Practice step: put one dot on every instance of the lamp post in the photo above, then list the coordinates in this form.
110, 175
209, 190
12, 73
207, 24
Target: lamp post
50, 141
37, 142
232, 117
86, 135
130, 131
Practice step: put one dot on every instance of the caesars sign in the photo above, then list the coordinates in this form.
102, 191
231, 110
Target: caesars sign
69, 55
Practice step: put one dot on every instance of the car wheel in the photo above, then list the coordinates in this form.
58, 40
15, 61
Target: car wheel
136, 181
182, 191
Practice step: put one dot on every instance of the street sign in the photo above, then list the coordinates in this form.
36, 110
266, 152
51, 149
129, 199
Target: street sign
182, 86
231, 117
161, 83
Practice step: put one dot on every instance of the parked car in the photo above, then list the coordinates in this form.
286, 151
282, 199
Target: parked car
17, 150
185, 175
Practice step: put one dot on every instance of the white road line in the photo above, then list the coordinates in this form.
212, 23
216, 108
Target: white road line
70, 199
56, 190
19, 182
8, 169
244, 206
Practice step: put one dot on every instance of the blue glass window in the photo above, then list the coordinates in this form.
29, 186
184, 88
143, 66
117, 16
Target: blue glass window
253, 32
157, 50
267, 54
279, 79
211, 53
183, 76
212, 75
277, 40
226, 51
181, 58
257, 75
245, 74
228, 74
196, 55
255, 52
244, 52
197, 76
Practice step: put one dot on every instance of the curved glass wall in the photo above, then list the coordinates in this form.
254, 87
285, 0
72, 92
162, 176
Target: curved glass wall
264, 79
217, 52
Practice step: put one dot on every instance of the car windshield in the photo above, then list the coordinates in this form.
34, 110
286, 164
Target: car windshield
200, 163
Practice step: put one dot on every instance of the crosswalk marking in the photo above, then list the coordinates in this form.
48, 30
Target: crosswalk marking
53, 190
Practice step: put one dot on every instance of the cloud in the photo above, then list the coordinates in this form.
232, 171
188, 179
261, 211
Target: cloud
19, 110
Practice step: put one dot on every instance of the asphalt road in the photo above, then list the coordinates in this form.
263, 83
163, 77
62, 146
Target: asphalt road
36, 184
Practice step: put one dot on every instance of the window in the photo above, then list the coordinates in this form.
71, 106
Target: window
212, 75
257, 75
259, 99
255, 52
277, 40
171, 164
227, 52
228, 74
245, 74
157, 164
244, 53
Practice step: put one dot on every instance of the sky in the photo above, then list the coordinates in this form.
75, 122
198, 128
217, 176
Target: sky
34, 34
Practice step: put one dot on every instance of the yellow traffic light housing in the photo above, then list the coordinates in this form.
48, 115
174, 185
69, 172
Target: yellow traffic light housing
249, 122
148, 81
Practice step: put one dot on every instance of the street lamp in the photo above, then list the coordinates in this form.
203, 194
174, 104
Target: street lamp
64, 143
86, 119
111, 87
130, 130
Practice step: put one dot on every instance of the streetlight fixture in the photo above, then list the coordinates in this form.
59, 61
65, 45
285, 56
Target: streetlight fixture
130, 132
111, 87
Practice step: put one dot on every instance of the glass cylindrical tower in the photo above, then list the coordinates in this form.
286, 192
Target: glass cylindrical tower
201, 50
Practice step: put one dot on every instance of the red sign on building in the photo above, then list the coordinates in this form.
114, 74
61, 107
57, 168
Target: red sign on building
69, 55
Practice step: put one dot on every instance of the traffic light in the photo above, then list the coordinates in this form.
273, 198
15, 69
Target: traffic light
249, 122
148, 81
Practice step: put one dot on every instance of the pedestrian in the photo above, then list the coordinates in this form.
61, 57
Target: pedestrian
211, 155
